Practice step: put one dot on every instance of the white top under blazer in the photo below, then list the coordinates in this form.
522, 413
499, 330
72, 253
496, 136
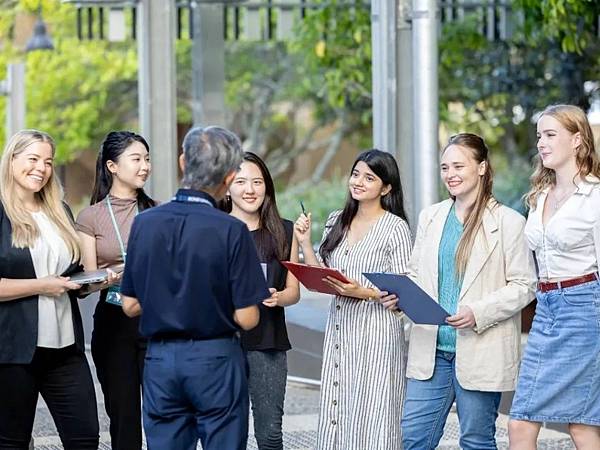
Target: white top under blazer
569, 245
51, 256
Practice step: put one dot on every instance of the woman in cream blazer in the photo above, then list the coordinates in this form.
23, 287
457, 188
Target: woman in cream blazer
483, 283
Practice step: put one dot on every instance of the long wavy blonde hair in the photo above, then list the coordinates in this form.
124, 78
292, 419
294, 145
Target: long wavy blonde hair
574, 120
24, 228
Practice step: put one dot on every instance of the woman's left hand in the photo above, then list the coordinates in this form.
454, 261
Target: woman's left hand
351, 289
463, 319
113, 277
273, 300
389, 301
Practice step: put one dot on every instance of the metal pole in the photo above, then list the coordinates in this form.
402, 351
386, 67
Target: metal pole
15, 102
383, 41
156, 85
208, 65
425, 100
404, 138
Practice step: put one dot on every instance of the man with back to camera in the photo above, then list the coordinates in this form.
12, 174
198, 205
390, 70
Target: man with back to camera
194, 272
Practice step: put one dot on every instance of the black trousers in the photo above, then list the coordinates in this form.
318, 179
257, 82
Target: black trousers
119, 360
63, 378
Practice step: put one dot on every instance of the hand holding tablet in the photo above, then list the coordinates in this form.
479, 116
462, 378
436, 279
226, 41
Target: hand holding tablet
90, 277
312, 277
412, 300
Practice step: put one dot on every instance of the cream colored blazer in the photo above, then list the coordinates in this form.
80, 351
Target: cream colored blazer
499, 281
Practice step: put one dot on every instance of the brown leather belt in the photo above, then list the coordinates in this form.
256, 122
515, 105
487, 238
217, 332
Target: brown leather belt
545, 286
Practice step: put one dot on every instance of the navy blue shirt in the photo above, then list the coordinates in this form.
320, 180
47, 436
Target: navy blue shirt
190, 266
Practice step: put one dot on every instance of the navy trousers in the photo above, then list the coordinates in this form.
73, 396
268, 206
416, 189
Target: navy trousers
195, 390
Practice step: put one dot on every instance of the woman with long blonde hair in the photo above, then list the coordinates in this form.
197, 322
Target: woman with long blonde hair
559, 379
470, 255
41, 334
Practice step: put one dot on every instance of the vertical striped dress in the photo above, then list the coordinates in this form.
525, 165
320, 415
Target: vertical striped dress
363, 373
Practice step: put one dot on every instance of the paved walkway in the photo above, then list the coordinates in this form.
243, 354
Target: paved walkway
306, 322
300, 425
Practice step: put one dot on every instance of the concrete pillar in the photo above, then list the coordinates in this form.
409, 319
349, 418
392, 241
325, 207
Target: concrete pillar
425, 102
208, 65
14, 89
157, 95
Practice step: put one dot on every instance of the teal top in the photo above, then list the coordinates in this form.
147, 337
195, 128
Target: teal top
448, 284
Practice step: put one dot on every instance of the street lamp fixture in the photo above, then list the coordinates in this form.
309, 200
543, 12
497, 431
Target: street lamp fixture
40, 39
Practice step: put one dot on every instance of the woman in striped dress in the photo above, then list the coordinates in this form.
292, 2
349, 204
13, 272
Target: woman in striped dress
363, 359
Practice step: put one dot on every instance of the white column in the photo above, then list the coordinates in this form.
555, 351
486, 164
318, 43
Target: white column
404, 135
14, 89
157, 98
425, 101
384, 73
208, 65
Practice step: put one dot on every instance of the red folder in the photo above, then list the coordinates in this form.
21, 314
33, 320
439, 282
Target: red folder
312, 276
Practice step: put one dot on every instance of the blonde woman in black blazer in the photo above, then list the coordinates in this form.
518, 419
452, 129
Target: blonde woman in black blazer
41, 335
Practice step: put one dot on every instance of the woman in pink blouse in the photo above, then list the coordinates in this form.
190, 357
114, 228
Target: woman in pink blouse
122, 168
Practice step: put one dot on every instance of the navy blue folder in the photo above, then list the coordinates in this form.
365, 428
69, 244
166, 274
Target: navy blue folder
413, 300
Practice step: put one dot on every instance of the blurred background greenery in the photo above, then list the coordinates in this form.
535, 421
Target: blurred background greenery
311, 94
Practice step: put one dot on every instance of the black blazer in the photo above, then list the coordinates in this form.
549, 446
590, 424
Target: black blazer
19, 318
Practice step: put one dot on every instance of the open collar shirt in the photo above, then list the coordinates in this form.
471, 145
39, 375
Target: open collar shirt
568, 245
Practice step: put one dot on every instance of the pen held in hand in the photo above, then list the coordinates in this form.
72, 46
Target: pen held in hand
303, 209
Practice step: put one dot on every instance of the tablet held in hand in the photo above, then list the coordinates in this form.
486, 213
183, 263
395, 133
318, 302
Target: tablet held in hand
414, 301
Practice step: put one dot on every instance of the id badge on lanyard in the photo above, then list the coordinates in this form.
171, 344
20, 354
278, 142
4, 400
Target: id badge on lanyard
114, 292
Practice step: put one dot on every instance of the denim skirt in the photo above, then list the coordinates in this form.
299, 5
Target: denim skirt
559, 379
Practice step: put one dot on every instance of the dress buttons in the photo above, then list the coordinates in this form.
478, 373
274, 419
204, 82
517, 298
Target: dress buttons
333, 422
338, 307
337, 346
343, 270
334, 402
337, 327
336, 365
335, 384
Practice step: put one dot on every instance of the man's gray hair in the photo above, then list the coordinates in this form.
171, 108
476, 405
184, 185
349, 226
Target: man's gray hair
210, 154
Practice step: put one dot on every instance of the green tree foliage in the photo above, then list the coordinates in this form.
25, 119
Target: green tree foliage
334, 43
571, 22
501, 85
78, 91
324, 68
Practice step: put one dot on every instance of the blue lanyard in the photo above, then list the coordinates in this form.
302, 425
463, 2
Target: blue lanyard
116, 227
191, 199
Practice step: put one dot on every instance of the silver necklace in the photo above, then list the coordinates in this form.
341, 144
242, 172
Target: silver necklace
559, 201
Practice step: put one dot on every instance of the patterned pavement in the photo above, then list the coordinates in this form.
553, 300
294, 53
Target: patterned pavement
300, 425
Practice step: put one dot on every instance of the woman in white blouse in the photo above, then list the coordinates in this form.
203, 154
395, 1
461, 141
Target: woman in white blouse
559, 379
41, 335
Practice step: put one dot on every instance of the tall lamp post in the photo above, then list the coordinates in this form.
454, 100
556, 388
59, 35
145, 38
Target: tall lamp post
13, 87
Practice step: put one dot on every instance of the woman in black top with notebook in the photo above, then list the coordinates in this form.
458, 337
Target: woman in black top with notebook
251, 199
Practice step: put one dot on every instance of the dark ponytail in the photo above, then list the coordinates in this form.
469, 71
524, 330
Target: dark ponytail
113, 146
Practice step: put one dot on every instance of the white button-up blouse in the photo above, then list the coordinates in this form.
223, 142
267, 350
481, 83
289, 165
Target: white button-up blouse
569, 245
